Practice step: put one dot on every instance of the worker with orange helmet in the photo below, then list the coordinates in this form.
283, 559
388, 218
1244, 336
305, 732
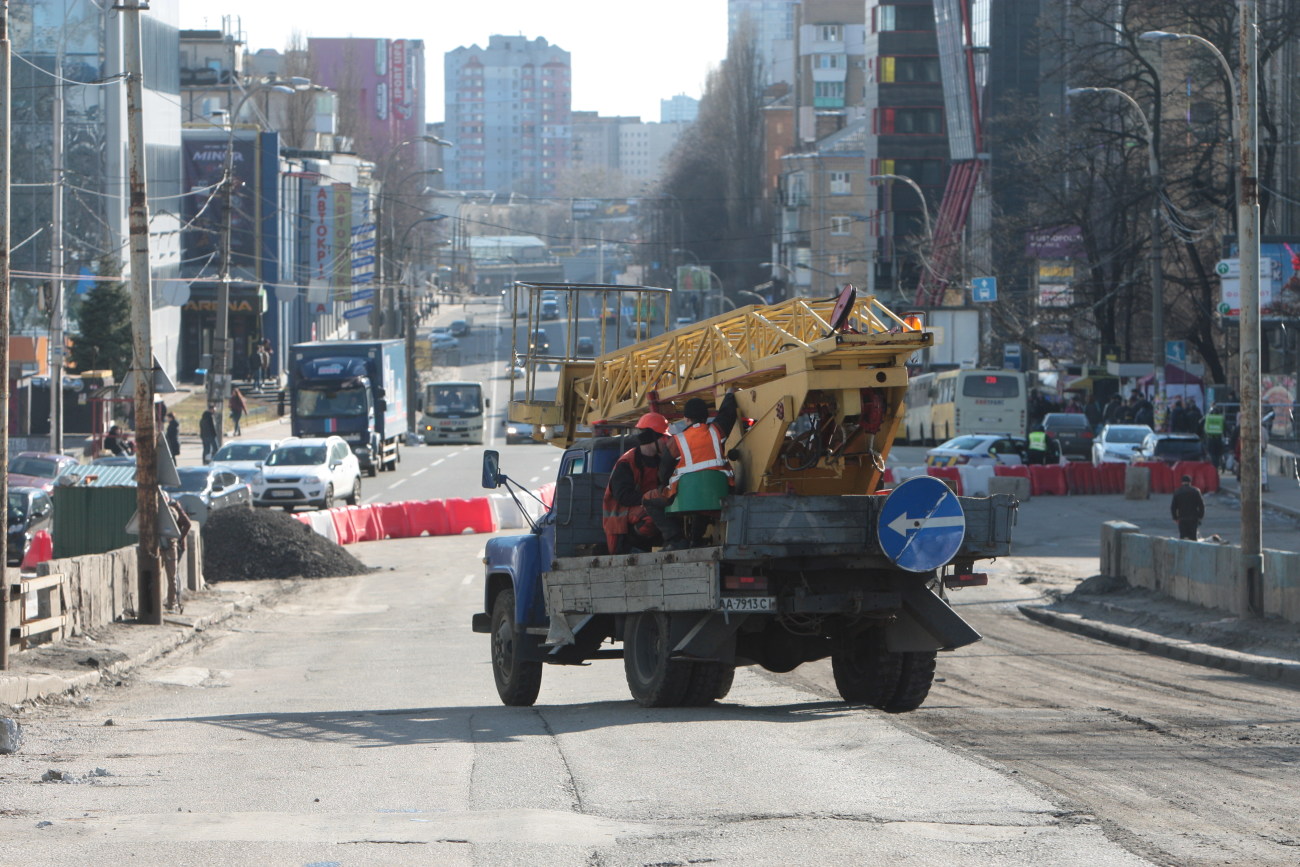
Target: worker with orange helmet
700, 447
625, 520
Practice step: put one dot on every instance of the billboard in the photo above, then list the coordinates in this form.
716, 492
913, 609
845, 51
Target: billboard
203, 208
329, 242
383, 79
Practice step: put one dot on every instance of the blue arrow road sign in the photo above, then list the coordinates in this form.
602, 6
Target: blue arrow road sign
362, 295
363, 310
921, 525
984, 289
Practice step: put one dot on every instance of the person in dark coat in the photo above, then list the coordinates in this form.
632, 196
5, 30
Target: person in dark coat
1092, 409
1114, 409
208, 433
238, 406
1188, 509
1144, 413
173, 435
116, 443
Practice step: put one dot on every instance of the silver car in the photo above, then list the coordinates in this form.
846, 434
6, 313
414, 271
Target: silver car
203, 490
1117, 442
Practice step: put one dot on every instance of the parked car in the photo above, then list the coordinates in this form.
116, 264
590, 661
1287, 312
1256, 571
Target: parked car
684, 320
1072, 434
310, 471
114, 461
38, 469
460, 328
30, 510
586, 346
514, 371
244, 458
979, 450
1117, 442
204, 490
1170, 448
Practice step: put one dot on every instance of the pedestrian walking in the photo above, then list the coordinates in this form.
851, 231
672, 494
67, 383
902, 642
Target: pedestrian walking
1188, 509
208, 432
238, 406
173, 435
173, 549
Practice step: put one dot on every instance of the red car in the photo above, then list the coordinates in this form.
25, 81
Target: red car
38, 469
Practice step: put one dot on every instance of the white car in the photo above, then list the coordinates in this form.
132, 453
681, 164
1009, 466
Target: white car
310, 471
979, 450
244, 458
1117, 442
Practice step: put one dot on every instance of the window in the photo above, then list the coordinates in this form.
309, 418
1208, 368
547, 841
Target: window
828, 94
909, 121
829, 33
841, 225
840, 264
829, 61
840, 184
909, 69
912, 17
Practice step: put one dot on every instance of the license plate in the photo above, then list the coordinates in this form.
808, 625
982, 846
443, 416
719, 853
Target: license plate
279, 494
749, 603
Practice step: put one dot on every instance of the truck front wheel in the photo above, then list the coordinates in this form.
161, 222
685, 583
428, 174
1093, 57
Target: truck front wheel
654, 679
518, 680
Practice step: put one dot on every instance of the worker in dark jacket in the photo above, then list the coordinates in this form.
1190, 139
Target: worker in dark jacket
624, 518
701, 447
1188, 509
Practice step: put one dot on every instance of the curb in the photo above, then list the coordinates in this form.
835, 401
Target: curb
17, 689
1261, 667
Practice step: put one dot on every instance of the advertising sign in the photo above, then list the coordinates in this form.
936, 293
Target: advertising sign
203, 209
1229, 271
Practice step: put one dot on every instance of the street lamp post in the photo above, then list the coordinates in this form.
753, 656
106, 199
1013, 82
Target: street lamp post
408, 321
1245, 100
1157, 246
380, 299
925, 215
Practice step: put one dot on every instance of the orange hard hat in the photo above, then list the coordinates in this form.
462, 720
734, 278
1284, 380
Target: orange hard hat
653, 421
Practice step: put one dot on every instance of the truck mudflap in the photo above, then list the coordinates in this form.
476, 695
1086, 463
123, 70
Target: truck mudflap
926, 622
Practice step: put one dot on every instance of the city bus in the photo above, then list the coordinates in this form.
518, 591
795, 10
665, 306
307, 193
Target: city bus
943, 405
452, 412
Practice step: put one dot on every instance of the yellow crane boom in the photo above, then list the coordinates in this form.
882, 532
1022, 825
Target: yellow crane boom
820, 387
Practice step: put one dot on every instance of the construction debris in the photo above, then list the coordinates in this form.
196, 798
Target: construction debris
255, 544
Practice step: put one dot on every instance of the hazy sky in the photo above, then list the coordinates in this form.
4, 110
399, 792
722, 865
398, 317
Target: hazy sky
626, 56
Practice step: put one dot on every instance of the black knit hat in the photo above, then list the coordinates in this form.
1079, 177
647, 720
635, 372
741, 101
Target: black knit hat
696, 410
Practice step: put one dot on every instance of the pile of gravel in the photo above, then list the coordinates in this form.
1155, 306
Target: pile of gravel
251, 544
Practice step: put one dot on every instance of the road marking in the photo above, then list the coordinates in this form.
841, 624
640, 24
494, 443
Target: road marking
438, 461
420, 470
395, 484
534, 479
466, 580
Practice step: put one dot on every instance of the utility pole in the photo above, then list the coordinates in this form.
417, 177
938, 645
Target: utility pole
150, 586
56, 265
217, 376
1248, 418
6, 61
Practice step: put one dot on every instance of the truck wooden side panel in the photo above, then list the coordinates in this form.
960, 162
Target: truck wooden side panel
623, 584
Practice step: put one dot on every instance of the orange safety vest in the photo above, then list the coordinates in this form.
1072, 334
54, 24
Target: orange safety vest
700, 447
617, 519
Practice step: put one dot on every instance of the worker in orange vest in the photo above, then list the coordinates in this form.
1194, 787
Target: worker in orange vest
701, 447
626, 522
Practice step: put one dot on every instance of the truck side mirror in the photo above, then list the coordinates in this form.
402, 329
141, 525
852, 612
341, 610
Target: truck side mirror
381, 405
419, 403
487, 404
491, 469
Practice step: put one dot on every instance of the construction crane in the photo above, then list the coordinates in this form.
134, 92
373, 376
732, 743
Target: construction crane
820, 385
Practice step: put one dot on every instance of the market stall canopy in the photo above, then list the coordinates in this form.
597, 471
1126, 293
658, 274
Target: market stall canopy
1174, 375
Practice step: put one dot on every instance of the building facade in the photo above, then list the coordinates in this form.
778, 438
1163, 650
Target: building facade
772, 23
508, 108
380, 85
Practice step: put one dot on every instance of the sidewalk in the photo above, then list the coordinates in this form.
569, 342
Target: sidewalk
1111, 611
109, 652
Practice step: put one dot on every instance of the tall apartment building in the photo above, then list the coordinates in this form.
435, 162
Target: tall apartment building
773, 23
679, 109
508, 108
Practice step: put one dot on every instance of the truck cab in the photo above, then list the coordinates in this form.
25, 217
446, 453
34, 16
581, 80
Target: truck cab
452, 412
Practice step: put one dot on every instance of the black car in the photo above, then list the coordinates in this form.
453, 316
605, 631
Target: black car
30, 510
1072, 434
1170, 448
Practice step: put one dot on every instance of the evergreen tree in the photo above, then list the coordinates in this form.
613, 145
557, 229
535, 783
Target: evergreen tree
104, 318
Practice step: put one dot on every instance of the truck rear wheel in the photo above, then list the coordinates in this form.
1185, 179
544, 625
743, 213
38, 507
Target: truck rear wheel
865, 672
654, 679
710, 681
518, 680
914, 679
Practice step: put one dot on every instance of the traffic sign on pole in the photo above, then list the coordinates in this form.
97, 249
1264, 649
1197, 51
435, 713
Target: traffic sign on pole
921, 525
984, 289
363, 310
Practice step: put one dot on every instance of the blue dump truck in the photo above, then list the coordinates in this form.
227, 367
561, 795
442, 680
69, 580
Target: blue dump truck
354, 389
